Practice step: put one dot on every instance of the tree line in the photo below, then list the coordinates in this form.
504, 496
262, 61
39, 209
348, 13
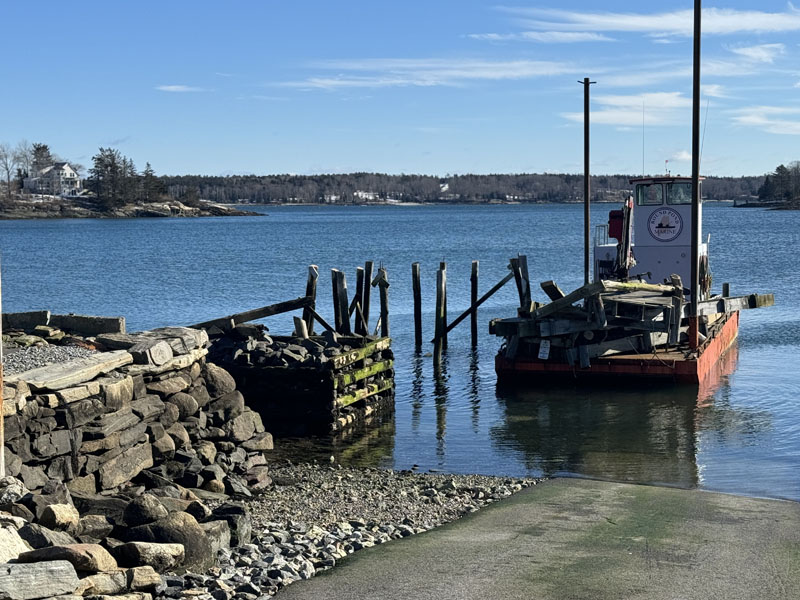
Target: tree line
782, 185
360, 187
113, 180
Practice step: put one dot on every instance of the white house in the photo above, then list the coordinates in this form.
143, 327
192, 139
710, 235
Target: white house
59, 179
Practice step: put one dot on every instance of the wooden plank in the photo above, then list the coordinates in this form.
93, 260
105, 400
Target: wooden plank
522, 261
357, 354
517, 272
729, 305
357, 299
383, 292
581, 293
632, 286
224, 323
300, 328
480, 301
552, 290
342, 380
371, 390
417, 292
321, 321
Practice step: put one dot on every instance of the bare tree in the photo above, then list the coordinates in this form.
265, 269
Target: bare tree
8, 163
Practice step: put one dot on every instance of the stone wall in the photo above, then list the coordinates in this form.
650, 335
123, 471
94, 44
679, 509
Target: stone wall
150, 402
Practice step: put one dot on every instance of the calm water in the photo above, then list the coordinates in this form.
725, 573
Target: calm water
739, 434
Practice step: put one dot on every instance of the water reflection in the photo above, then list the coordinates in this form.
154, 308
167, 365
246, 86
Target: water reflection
474, 388
441, 390
417, 390
645, 433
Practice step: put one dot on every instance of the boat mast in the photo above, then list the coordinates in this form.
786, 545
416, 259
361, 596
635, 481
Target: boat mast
693, 325
586, 185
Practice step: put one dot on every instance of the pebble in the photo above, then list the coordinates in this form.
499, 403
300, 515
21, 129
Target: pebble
19, 360
321, 513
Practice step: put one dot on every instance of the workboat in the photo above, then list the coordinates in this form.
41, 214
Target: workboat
636, 318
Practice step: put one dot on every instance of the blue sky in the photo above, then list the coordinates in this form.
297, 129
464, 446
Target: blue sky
434, 87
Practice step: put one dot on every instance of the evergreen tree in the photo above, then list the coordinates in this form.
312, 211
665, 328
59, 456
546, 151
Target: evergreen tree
41, 157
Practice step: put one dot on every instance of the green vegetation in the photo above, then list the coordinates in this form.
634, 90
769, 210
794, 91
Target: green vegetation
782, 185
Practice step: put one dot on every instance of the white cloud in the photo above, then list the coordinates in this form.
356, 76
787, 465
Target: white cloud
719, 21
797, 85
681, 156
179, 89
712, 90
763, 53
771, 119
545, 37
399, 72
657, 108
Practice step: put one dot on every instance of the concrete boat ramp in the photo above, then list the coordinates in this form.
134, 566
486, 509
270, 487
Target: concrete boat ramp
588, 540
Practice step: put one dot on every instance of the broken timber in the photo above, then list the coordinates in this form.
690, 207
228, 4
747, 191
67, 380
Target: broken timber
603, 324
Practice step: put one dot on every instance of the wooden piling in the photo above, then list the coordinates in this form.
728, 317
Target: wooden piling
417, 290
440, 323
382, 281
443, 268
311, 292
726, 290
368, 267
522, 261
340, 306
480, 301
300, 328
358, 299
473, 301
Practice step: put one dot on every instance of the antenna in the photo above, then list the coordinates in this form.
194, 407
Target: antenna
705, 122
642, 136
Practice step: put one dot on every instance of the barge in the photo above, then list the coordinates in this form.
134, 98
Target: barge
636, 319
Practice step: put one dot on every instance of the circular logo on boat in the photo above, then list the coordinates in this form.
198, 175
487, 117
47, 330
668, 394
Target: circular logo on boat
665, 224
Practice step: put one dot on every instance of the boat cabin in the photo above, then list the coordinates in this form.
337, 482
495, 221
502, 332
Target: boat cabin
653, 234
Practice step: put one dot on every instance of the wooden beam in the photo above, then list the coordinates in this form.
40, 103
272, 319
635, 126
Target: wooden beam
311, 292
581, 293
552, 290
482, 299
473, 302
417, 292
224, 323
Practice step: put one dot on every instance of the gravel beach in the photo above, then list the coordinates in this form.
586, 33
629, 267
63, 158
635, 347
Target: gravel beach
315, 515
18, 360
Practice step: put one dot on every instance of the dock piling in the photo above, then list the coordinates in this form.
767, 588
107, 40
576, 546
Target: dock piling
368, 268
417, 290
473, 301
311, 292
358, 299
440, 323
340, 304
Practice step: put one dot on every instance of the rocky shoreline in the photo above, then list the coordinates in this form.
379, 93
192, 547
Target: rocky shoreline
315, 515
69, 208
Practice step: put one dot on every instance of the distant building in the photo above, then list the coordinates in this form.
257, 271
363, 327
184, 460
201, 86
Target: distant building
58, 179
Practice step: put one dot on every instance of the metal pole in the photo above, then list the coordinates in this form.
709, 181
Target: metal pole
586, 186
693, 329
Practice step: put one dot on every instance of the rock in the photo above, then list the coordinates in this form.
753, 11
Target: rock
219, 534
207, 451
95, 504
11, 490
143, 579
32, 476
179, 528
71, 373
218, 381
160, 557
37, 580
39, 536
259, 442
215, 486
79, 413
125, 466
111, 423
148, 407
102, 584
238, 519
258, 477
163, 448
116, 392
13, 462
80, 392
83, 485
170, 416
88, 558
61, 517
241, 428
96, 527
170, 386
52, 444
11, 544
144, 509
187, 405
151, 352
179, 435
200, 394
227, 406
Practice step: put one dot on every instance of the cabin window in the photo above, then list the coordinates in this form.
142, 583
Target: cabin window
649, 194
679, 193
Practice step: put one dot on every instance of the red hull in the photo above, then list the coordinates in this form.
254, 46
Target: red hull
663, 365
